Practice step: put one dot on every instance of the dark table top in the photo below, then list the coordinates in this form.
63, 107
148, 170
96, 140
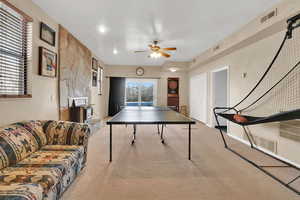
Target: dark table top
149, 115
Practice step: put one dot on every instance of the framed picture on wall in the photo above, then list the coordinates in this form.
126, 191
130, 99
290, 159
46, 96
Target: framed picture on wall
100, 80
47, 34
173, 87
94, 78
47, 62
94, 64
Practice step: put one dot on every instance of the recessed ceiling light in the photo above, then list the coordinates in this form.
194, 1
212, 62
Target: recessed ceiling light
173, 70
115, 51
102, 29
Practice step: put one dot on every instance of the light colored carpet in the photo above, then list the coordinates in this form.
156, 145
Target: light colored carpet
150, 170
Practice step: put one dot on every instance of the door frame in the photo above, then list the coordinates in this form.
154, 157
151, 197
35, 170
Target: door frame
212, 93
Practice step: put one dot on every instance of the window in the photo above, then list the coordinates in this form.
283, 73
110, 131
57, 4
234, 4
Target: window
15, 51
141, 92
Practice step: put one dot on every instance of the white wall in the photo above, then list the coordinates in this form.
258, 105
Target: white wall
44, 90
98, 101
198, 97
255, 47
44, 102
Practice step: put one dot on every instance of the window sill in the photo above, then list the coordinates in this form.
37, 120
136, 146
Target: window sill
3, 96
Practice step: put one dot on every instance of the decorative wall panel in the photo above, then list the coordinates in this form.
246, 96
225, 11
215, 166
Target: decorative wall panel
75, 70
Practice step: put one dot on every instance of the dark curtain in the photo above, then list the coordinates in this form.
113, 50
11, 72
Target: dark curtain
116, 95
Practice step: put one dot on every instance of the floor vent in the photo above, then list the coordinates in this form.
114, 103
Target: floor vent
269, 16
267, 144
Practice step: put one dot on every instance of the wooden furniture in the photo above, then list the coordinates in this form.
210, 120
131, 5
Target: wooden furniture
183, 110
173, 93
80, 111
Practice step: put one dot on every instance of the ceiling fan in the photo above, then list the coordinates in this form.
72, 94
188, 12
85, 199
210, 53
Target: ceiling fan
157, 51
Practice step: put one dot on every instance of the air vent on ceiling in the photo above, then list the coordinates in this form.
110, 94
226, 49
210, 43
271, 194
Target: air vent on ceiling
267, 144
268, 16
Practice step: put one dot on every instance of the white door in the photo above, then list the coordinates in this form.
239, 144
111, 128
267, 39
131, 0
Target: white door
198, 97
220, 93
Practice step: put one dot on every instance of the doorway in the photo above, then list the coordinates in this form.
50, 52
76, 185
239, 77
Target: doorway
220, 94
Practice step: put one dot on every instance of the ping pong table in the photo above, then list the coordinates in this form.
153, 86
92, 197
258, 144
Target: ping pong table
160, 116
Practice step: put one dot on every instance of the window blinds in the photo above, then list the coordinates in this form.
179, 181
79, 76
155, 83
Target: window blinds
15, 48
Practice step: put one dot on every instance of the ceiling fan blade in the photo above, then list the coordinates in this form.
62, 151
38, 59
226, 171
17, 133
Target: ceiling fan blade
140, 51
170, 49
165, 54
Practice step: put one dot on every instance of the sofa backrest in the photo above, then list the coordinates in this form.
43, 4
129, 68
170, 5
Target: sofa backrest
19, 140
65, 133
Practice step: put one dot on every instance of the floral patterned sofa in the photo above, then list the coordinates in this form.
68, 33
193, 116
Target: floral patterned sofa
40, 159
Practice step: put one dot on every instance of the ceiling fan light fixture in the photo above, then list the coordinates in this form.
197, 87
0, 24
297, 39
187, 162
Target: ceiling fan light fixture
155, 55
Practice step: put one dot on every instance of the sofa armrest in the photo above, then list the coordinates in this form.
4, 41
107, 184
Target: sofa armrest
66, 133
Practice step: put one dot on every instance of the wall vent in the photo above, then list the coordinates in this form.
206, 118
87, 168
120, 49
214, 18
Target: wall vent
269, 16
290, 130
267, 144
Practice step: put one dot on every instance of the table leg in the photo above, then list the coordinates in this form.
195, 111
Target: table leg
134, 134
158, 131
162, 134
189, 141
110, 143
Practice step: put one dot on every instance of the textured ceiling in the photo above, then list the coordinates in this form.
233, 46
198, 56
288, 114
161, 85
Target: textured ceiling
190, 25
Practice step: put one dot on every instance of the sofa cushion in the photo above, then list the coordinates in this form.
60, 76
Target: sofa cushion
36, 129
18, 141
21, 192
66, 159
47, 157
66, 133
47, 178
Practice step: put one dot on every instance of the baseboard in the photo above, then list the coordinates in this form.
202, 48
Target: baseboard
264, 150
209, 125
239, 139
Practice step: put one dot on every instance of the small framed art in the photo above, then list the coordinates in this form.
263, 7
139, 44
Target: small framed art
94, 78
100, 80
47, 34
94, 64
47, 63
